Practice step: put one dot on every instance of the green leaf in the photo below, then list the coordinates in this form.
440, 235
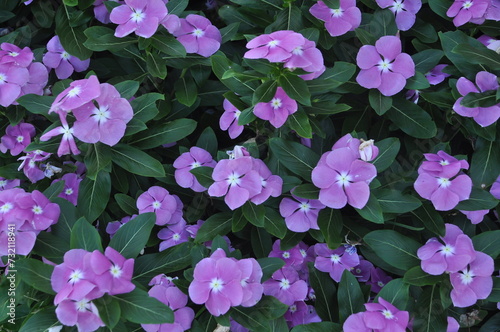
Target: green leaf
164, 134
246, 116
204, 175
315, 327
330, 223
54, 189
109, 310
72, 38
482, 99
145, 106
138, 307
37, 104
132, 237
430, 315
85, 236
416, 277
176, 7
431, 219
325, 291
126, 203
495, 292
372, 211
349, 296
261, 242
488, 242
257, 317
395, 249
135, 126
36, 274
208, 141
479, 55
449, 40
239, 221
307, 191
379, 102
388, 150
479, 200
299, 121
100, 39
417, 82
67, 218
296, 88
382, 24
97, 158
333, 4
270, 265
186, 91
327, 107
395, 292
136, 161
392, 201
411, 119
254, 213
156, 66
229, 31
265, 92
297, 158
485, 164
274, 223
218, 224
168, 45
93, 196
51, 247
40, 321
427, 59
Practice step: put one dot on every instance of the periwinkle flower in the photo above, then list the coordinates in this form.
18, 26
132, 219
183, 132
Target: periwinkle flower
335, 262
187, 161
464, 11
113, 271
475, 217
308, 58
277, 110
292, 257
363, 270
495, 188
173, 235
71, 187
404, 10
275, 47
378, 279
39, 212
229, 120
286, 286
140, 16
436, 75
8, 184
101, 13
384, 67
18, 137
453, 325
162, 203
30, 167
300, 214
78, 93
338, 21
61, 61
68, 144
12, 54
197, 34
12, 79
114, 226
271, 185
82, 313
300, 313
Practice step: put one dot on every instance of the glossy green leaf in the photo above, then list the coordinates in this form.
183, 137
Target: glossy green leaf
132, 237
85, 236
164, 134
136, 161
138, 307
35, 273
93, 196
394, 248
349, 296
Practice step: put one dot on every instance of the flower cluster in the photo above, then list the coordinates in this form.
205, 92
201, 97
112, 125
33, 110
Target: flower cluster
244, 178
222, 282
343, 174
441, 181
289, 48
61, 61
378, 317
187, 161
29, 214
470, 271
85, 276
101, 115
338, 21
19, 75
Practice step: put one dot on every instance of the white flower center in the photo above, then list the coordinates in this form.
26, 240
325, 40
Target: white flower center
298, 50
3, 183
6, 207
137, 16
68, 191
276, 103
286, 254
156, 205
198, 33
233, 179
66, 131
273, 43
37, 209
101, 114
195, 165
3, 78
305, 207
293, 308
343, 179
216, 285
466, 277
75, 276
467, 4
284, 284
176, 237
82, 305
447, 250
303, 253
380, 284
65, 55
387, 314
335, 258
13, 54
74, 92
20, 139
444, 162
336, 12
384, 65
398, 6
116, 271
237, 114
444, 182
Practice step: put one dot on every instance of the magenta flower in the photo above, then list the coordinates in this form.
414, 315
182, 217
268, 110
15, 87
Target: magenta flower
171, 22
114, 226
60, 60
349, 182
187, 161
251, 275
384, 67
12, 54
271, 185
78, 93
335, 262
368, 151
405, 11
217, 284
68, 145
198, 35
277, 110
300, 313
452, 256
39, 212
453, 325
436, 75
229, 120
18, 137
378, 317
286, 286
172, 235
300, 214
378, 279
12, 78
23, 232
141, 17
292, 257
162, 203
308, 58
8, 184
439, 181
464, 11
101, 12
275, 47
113, 271
475, 217
71, 187
484, 116
38, 78
495, 188
236, 179
82, 313
30, 166
105, 122
340, 20
363, 270
474, 282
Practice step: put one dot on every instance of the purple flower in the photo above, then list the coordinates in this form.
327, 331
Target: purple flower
308, 58
286, 286
277, 110
113, 271
105, 122
60, 60
162, 203
67, 145
30, 167
452, 256
275, 47
114, 226
475, 217
236, 179
171, 22
378, 279
251, 275
18, 137
368, 151
474, 282
438, 181
335, 261
363, 270
495, 188
198, 35
453, 325
436, 75
12, 78
464, 11
300, 214
300, 313
172, 235
271, 185
8, 184
71, 187
12, 54
217, 284
484, 116
292, 257
78, 93
340, 20
101, 12
187, 161
82, 313
139, 16
384, 67
342, 179
378, 317
229, 120
39, 211
405, 11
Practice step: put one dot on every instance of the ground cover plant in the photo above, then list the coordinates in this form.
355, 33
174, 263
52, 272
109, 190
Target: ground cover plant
252, 165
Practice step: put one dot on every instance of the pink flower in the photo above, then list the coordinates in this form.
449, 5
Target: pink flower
300, 214
340, 20
363, 270
78, 93
68, 145
286, 286
162, 203
171, 22
271, 185
439, 181
172, 235
30, 166
484, 116
229, 120
139, 16
18, 137
12, 54
101, 12
378, 279
475, 217
63, 62
105, 122
384, 67
12, 78
8, 184
251, 275
113, 273
436, 75
187, 161
452, 256
405, 11
495, 188
300, 313
82, 313
275, 47
464, 11
292, 257
40, 213
453, 325
198, 35
474, 282
37, 80
335, 262
368, 151
114, 226
277, 110
308, 58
